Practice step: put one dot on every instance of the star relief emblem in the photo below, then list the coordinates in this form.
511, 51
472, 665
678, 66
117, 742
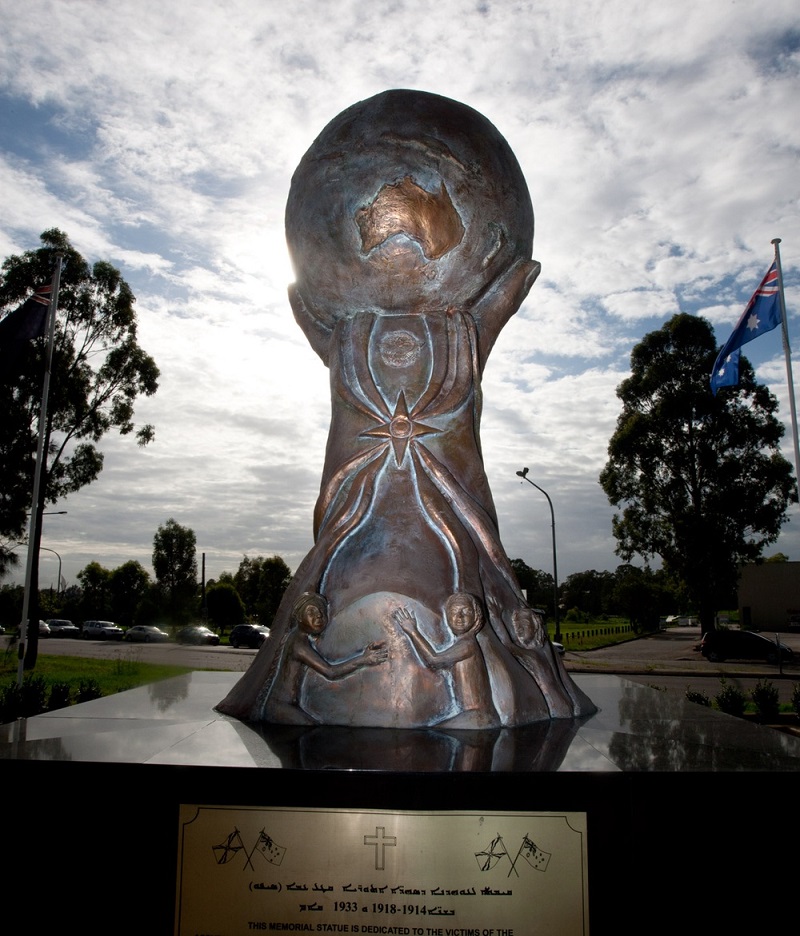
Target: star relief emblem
400, 429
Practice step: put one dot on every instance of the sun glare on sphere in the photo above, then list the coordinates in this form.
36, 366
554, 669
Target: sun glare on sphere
266, 257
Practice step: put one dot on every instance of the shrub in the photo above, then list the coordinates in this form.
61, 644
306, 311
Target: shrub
9, 702
59, 696
33, 696
796, 698
699, 698
730, 699
88, 689
765, 699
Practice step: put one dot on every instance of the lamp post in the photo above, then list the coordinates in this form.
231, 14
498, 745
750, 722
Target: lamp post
47, 549
54, 513
524, 475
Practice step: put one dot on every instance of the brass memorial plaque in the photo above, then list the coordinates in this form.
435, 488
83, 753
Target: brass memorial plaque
244, 870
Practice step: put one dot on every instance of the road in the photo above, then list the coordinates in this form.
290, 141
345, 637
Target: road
201, 658
666, 660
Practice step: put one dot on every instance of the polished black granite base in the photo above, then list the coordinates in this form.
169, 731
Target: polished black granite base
173, 722
688, 810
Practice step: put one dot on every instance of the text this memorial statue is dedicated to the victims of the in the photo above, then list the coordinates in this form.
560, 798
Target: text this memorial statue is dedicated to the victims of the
410, 227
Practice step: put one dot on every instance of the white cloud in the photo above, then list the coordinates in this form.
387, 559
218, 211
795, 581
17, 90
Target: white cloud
659, 147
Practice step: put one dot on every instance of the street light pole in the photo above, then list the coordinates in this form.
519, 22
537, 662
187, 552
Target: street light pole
47, 549
524, 475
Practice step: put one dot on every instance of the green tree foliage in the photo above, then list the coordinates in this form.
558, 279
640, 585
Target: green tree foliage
8, 559
700, 479
95, 584
127, 585
10, 605
65, 604
642, 596
152, 607
225, 607
261, 583
175, 566
590, 591
777, 557
49, 603
538, 585
98, 372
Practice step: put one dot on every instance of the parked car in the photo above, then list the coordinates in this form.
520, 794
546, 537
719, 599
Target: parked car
248, 635
62, 628
146, 633
44, 630
720, 645
102, 630
197, 634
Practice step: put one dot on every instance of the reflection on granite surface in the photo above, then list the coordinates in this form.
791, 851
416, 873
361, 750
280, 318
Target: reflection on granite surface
541, 746
173, 722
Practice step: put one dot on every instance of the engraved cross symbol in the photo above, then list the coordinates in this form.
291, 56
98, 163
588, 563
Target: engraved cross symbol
380, 840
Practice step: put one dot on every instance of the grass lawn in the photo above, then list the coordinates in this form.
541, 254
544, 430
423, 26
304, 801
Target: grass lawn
76, 675
594, 634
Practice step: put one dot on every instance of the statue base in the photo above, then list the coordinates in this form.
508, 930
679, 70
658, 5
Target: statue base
646, 771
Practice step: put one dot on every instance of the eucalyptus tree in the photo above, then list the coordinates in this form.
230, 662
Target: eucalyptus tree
98, 372
261, 583
700, 479
175, 566
225, 607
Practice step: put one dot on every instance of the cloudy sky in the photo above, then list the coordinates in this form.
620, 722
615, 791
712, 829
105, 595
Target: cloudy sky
660, 143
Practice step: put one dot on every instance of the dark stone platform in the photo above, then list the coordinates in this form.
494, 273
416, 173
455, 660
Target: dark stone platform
173, 723
681, 801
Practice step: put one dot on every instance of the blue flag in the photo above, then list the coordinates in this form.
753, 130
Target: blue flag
23, 324
762, 314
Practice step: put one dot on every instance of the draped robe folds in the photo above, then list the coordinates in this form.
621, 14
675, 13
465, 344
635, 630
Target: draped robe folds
404, 519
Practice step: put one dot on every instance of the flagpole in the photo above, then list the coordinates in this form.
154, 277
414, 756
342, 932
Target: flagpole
40, 457
787, 352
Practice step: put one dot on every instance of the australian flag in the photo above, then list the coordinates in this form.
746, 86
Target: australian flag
24, 323
762, 314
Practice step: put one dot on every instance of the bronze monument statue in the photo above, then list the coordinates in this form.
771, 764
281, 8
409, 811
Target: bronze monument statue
410, 227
